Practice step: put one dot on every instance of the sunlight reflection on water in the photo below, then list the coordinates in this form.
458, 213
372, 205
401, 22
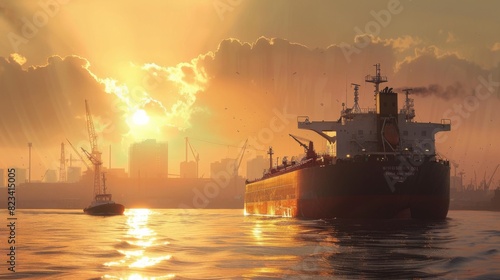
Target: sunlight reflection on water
137, 276
141, 238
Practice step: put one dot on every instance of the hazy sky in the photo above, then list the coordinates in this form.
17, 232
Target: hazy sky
226, 70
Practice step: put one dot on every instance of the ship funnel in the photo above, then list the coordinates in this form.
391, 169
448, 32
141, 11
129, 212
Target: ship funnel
387, 120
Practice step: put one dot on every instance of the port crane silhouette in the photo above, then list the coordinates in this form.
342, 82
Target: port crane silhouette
94, 155
196, 155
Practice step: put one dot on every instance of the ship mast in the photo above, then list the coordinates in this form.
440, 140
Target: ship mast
377, 80
355, 108
270, 153
95, 155
408, 109
104, 183
62, 165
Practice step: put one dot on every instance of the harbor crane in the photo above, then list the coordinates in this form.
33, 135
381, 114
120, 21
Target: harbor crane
195, 155
94, 155
79, 155
240, 157
62, 165
237, 163
71, 160
491, 178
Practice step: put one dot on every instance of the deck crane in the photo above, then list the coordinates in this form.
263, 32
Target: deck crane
94, 155
298, 141
309, 150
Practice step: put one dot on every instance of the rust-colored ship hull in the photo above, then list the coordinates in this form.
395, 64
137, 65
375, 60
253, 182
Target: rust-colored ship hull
353, 189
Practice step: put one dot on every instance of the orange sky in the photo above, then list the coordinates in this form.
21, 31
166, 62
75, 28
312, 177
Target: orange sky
224, 71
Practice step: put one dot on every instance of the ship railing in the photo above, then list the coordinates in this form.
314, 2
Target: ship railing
281, 169
368, 110
379, 79
395, 153
440, 158
350, 111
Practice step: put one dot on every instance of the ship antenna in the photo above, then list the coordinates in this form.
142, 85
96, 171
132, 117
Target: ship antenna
104, 182
377, 79
355, 108
409, 110
346, 92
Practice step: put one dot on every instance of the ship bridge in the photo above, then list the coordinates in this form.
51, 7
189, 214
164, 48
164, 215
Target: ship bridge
383, 130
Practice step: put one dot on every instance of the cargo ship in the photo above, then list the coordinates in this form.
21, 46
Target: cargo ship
382, 164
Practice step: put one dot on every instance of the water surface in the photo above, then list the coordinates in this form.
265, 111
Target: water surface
225, 244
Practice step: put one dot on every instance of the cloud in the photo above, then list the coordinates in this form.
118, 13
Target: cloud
250, 81
44, 104
225, 96
228, 85
404, 43
398, 44
431, 51
433, 66
451, 38
19, 59
223, 86
169, 93
495, 47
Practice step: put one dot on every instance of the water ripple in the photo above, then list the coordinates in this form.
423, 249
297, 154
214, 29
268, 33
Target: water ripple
224, 244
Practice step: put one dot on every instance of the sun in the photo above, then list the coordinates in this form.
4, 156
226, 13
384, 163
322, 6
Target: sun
140, 117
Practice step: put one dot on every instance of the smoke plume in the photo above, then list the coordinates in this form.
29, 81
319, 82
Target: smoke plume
446, 92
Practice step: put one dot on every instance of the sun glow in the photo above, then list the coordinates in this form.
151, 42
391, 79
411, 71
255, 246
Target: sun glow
140, 117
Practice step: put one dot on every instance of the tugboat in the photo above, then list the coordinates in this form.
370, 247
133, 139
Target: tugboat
383, 164
102, 204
